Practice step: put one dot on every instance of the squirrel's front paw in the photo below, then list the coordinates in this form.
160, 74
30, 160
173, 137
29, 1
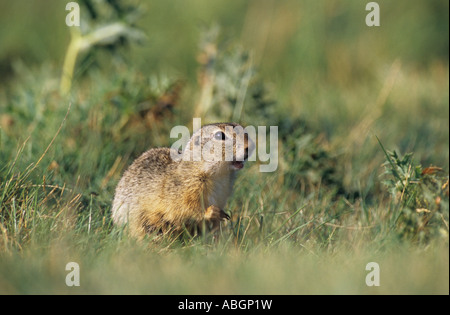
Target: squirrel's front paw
215, 214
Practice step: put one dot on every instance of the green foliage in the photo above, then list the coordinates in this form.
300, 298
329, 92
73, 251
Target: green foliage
309, 227
229, 80
421, 195
109, 24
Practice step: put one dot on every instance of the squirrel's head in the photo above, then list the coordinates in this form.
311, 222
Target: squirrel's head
220, 147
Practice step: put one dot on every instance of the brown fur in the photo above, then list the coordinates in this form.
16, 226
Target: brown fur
158, 194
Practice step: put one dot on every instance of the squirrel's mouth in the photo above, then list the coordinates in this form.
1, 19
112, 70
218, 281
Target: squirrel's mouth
237, 164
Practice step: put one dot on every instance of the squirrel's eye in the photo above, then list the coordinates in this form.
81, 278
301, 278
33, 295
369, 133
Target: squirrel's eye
219, 135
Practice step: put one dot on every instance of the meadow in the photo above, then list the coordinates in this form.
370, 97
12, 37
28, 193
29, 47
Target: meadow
363, 156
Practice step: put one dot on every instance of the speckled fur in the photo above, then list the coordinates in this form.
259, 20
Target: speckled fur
159, 194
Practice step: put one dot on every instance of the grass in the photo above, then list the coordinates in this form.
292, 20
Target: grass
337, 201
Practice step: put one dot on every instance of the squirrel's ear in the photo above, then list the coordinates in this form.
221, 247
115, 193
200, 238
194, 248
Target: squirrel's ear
197, 140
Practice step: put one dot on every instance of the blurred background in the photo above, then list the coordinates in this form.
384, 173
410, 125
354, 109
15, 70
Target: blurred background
329, 82
287, 37
315, 62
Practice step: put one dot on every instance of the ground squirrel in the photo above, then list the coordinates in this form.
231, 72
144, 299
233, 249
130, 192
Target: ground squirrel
165, 190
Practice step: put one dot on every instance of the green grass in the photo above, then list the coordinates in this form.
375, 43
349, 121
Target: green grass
338, 199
